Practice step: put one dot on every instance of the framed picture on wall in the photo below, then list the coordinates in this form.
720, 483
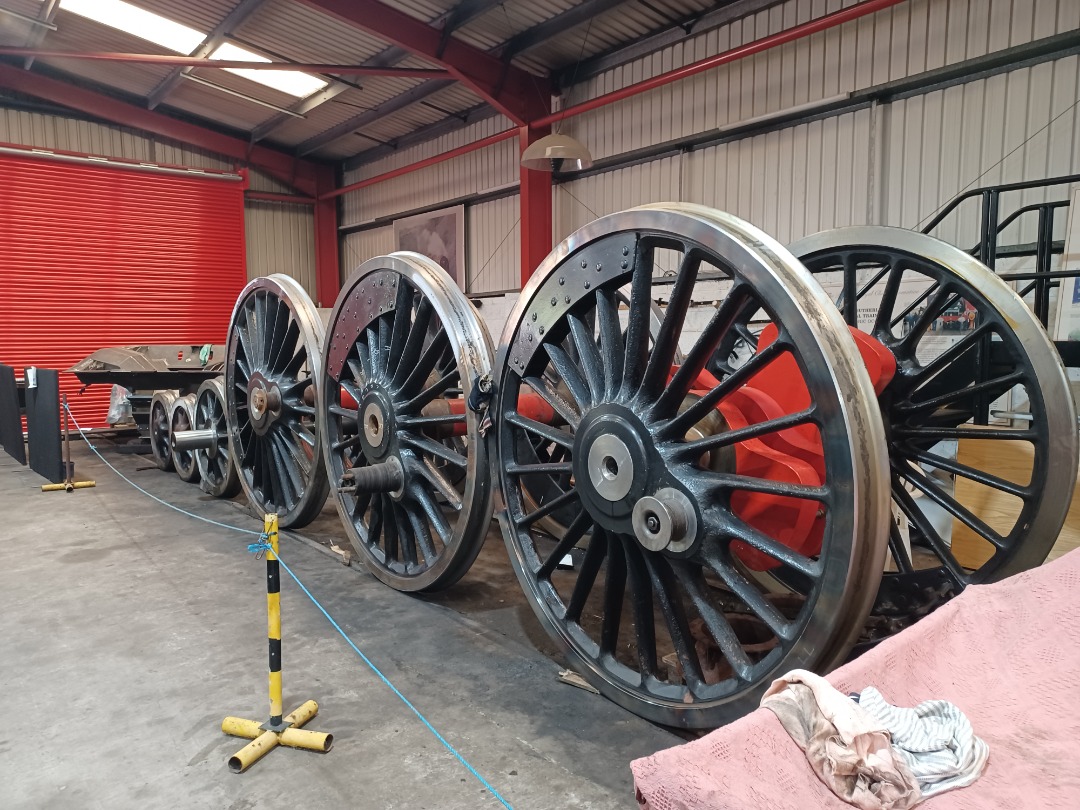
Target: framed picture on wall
439, 235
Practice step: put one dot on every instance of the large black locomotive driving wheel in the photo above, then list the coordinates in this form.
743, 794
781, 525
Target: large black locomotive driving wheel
216, 467
656, 611
272, 366
182, 418
161, 406
979, 501
404, 349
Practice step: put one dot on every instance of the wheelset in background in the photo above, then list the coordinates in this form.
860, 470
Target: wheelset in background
404, 349
976, 499
182, 419
658, 612
161, 406
217, 469
271, 371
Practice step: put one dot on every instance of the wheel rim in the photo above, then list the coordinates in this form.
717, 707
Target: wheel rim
160, 415
961, 337
403, 349
183, 417
219, 477
270, 378
626, 415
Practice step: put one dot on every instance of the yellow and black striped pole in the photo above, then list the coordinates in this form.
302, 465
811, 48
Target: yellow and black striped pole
273, 620
278, 730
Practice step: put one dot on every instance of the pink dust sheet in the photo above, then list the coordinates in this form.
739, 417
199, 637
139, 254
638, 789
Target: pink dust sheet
1007, 654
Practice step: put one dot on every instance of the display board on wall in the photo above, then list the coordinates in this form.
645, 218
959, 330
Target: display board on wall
98, 255
439, 235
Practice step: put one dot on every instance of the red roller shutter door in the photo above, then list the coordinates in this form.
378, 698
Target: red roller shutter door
94, 256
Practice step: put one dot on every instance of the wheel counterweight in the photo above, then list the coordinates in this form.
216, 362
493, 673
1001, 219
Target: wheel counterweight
659, 517
404, 349
271, 371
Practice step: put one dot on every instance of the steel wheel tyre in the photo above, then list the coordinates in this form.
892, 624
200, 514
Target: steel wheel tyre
271, 373
216, 467
404, 348
663, 578
161, 407
183, 418
961, 338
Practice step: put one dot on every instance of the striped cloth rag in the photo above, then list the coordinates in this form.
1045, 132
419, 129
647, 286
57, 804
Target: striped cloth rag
934, 739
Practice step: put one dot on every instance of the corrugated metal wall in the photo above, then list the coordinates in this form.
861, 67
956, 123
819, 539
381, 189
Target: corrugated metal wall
493, 245
358, 247
280, 238
893, 164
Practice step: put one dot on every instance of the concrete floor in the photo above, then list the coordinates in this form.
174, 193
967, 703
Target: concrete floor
127, 631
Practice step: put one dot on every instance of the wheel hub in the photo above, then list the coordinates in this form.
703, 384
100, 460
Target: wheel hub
376, 415
264, 402
611, 465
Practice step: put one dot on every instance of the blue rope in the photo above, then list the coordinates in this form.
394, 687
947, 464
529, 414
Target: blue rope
261, 546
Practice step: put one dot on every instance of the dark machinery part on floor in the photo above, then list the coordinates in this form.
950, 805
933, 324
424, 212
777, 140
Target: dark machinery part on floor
143, 370
791, 488
160, 429
272, 364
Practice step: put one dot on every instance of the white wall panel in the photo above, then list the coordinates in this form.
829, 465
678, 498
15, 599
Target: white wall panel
483, 170
579, 202
357, 248
493, 245
1021, 125
280, 238
907, 39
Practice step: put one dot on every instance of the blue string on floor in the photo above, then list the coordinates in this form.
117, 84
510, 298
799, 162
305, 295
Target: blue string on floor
259, 548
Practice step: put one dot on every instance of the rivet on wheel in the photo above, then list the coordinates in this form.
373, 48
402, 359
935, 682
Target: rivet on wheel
599, 267
562, 280
534, 316
625, 251
369, 301
625, 264
540, 330
584, 264
567, 299
587, 285
554, 300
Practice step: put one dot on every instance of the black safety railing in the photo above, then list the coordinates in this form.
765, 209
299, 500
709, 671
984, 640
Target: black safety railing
1042, 279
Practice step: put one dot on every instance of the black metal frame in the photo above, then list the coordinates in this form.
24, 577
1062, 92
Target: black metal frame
988, 250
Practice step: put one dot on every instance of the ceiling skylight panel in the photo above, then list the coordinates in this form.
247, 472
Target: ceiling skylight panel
138, 22
292, 82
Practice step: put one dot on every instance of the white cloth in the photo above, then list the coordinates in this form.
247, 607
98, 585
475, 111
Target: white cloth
935, 740
848, 749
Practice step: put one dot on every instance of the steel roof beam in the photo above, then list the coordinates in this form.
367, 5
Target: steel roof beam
519, 95
300, 174
693, 25
46, 16
214, 40
451, 123
560, 23
451, 20
392, 105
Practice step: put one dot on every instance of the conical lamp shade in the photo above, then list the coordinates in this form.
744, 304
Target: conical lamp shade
571, 154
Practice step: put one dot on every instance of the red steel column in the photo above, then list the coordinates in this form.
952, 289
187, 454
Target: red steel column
327, 265
536, 228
